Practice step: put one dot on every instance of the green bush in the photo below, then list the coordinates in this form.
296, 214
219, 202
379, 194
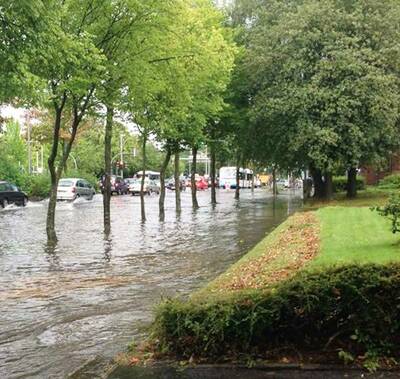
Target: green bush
390, 181
340, 183
392, 211
352, 308
37, 186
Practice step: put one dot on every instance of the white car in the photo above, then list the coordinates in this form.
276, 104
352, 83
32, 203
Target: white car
71, 188
149, 186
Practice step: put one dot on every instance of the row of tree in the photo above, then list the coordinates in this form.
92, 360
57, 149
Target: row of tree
294, 85
163, 65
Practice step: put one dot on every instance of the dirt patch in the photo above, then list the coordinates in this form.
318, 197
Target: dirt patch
293, 248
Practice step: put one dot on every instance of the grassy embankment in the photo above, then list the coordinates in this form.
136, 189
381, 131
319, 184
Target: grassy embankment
324, 284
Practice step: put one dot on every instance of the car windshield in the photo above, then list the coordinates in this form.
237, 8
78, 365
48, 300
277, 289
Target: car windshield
65, 183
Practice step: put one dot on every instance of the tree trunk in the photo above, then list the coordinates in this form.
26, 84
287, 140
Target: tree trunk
252, 182
78, 111
319, 185
193, 186
352, 183
161, 200
237, 189
51, 210
107, 171
142, 208
328, 186
213, 175
307, 186
177, 183
274, 186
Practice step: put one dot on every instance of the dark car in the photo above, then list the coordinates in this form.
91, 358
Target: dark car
10, 193
118, 185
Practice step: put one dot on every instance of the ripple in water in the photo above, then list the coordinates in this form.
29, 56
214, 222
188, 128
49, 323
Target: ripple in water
92, 296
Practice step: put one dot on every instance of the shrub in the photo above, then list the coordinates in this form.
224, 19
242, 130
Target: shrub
390, 182
340, 183
392, 211
352, 308
37, 186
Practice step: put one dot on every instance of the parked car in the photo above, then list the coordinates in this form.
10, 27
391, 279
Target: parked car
11, 194
70, 189
118, 185
130, 181
170, 184
150, 186
154, 186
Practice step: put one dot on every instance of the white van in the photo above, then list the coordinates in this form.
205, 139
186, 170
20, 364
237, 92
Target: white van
227, 177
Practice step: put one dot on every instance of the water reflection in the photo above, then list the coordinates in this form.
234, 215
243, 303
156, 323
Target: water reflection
92, 293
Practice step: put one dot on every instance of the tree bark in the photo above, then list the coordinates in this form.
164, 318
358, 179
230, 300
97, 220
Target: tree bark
352, 183
161, 200
177, 183
213, 175
107, 170
193, 186
142, 206
237, 189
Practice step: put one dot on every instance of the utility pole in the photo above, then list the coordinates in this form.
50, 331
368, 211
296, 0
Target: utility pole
121, 150
42, 158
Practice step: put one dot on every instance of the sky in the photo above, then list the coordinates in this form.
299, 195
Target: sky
17, 114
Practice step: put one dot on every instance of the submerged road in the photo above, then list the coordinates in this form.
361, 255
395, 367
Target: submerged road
90, 296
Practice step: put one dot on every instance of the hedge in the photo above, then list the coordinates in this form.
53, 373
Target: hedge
340, 183
355, 308
390, 182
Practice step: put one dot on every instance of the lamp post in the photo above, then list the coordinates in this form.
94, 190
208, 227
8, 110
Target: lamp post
28, 124
121, 151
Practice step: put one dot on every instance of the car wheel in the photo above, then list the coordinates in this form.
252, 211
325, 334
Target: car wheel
4, 203
24, 202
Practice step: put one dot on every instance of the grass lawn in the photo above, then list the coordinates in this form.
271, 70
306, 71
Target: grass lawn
278, 256
329, 236
344, 297
370, 196
355, 235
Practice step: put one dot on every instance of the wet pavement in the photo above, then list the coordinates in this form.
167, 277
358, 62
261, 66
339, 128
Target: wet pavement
92, 296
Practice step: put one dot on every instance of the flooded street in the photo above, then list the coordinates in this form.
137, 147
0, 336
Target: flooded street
90, 296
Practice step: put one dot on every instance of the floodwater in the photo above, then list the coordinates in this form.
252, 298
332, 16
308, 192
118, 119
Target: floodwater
93, 296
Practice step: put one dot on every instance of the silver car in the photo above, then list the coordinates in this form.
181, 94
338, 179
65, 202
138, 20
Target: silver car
72, 188
150, 186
